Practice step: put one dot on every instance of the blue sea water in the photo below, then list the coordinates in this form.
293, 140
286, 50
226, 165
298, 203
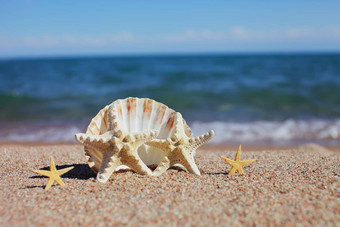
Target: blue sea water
248, 99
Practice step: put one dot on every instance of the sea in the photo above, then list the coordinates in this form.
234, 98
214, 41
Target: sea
250, 99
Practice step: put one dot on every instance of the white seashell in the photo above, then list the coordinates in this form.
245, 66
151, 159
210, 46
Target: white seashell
134, 117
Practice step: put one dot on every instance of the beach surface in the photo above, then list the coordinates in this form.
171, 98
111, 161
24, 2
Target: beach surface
286, 186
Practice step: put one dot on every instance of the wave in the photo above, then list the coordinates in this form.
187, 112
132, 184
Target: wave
265, 87
38, 133
290, 131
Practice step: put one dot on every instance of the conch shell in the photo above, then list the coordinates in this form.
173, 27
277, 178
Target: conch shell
113, 130
117, 138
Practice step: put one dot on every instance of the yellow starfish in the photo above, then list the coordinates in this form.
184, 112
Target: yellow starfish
53, 174
237, 163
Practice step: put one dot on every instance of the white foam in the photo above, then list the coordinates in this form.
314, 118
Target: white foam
259, 132
45, 134
272, 131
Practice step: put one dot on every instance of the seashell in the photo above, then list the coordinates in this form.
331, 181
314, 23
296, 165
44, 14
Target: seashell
116, 136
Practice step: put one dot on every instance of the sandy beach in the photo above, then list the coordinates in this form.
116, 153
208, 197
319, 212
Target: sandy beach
286, 187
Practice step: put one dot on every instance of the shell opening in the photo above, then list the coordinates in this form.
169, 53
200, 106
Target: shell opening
151, 156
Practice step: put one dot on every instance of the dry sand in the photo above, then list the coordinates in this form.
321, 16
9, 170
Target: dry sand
283, 187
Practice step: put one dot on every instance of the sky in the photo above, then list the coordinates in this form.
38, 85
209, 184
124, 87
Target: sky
72, 28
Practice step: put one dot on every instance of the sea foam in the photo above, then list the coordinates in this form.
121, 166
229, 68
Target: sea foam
290, 131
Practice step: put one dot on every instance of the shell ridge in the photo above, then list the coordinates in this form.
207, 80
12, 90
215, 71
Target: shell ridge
165, 131
152, 115
131, 110
139, 127
156, 117
124, 116
142, 107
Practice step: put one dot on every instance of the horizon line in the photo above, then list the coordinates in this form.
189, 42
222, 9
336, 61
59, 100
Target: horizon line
169, 54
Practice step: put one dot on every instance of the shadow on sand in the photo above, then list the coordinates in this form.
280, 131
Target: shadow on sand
207, 173
80, 172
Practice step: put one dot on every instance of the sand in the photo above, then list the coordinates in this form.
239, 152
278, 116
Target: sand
285, 187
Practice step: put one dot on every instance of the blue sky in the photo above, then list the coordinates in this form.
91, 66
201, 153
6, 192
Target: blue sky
54, 28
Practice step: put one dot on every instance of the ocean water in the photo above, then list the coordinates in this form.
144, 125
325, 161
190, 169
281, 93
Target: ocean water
248, 99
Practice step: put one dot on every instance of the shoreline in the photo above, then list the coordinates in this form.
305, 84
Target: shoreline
284, 133
334, 148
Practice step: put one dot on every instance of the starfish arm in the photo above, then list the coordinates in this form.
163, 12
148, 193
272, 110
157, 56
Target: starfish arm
63, 171
43, 172
179, 131
49, 184
52, 165
232, 171
200, 140
158, 143
246, 162
228, 161
59, 180
179, 166
136, 164
238, 154
141, 168
188, 162
100, 142
108, 166
192, 168
141, 138
162, 166
112, 123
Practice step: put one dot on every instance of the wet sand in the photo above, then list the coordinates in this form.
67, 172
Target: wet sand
285, 186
